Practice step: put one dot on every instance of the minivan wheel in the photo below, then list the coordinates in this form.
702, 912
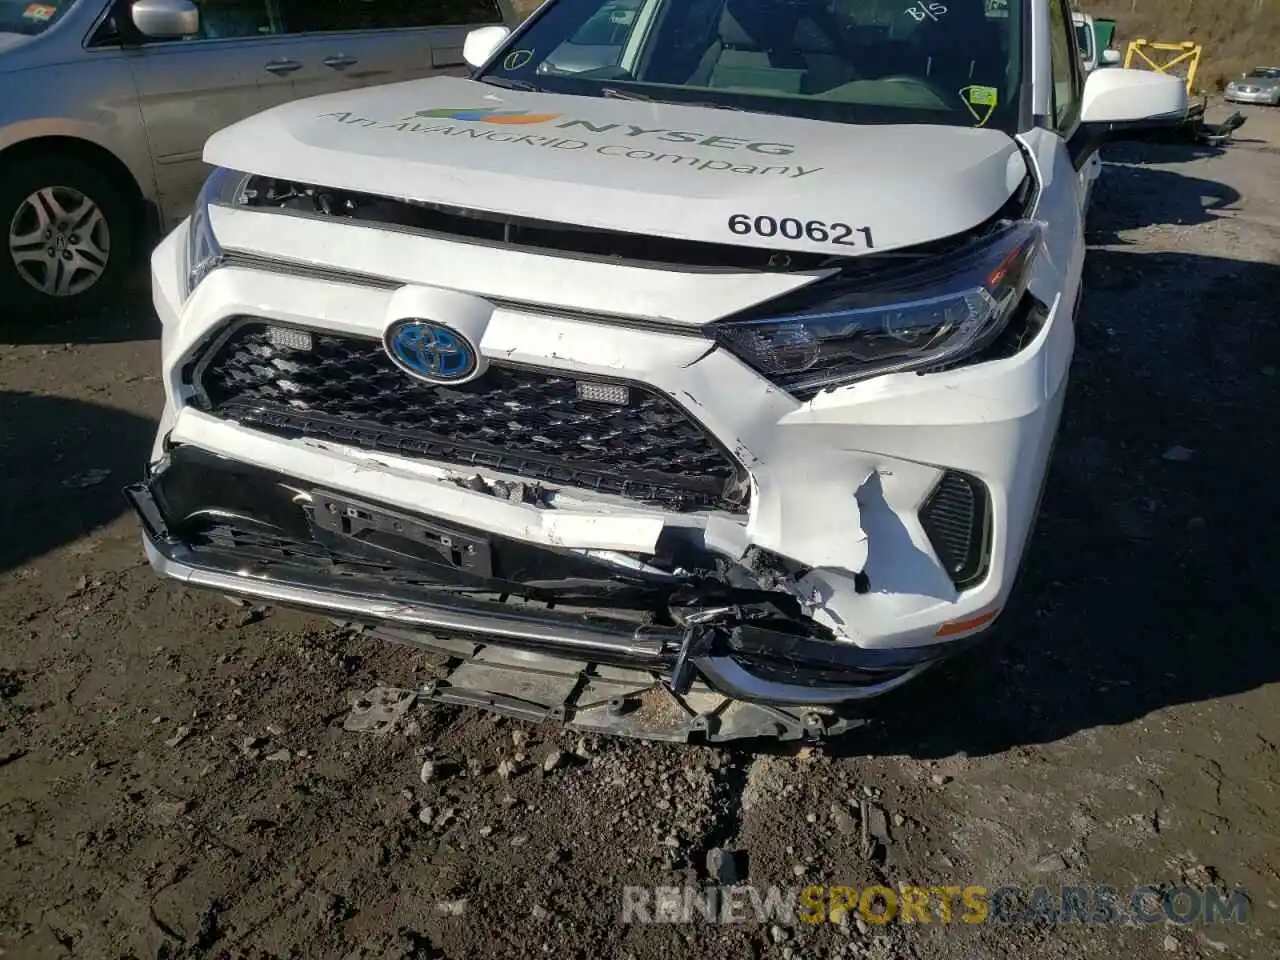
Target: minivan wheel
66, 234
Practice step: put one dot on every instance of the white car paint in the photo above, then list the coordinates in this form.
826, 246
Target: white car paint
837, 479
665, 170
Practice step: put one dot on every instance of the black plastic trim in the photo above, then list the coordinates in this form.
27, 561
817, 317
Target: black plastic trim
498, 230
959, 500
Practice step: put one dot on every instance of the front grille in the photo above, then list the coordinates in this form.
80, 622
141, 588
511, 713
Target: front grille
956, 518
516, 420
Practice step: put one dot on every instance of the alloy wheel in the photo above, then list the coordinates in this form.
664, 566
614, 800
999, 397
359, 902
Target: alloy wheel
60, 241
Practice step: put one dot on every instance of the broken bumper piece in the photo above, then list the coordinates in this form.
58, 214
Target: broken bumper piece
530, 631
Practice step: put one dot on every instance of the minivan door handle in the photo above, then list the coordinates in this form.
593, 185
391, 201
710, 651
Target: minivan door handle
340, 62
281, 67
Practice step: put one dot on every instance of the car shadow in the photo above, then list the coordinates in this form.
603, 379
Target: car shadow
62, 464
1150, 580
125, 317
1133, 194
1168, 147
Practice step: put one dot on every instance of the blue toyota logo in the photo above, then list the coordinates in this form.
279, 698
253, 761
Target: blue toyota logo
430, 351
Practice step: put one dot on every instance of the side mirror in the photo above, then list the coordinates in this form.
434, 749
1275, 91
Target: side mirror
1123, 99
165, 19
1132, 97
1111, 58
482, 43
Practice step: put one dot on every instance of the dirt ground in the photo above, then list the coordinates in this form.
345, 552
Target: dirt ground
175, 779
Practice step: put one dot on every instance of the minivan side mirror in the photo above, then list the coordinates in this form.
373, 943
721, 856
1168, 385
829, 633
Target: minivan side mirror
1110, 57
481, 44
1123, 99
165, 19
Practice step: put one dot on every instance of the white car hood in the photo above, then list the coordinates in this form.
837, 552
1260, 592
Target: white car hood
11, 41
683, 172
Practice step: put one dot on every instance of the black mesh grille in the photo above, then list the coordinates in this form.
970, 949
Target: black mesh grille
955, 518
515, 420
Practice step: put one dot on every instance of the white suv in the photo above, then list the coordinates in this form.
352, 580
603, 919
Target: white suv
700, 379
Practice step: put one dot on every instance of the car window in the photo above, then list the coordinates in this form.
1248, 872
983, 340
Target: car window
222, 19
610, 26
320, 16
1066, 68
853, 61
22, 16
1084, 39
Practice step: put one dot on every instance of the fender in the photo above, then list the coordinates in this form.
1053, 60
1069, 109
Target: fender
134, 157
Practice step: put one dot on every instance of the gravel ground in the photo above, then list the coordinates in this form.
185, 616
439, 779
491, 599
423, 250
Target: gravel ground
175, 779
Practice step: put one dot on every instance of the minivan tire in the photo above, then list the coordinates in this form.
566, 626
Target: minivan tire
75, 187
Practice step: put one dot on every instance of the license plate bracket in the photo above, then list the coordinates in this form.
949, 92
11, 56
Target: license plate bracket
380, 528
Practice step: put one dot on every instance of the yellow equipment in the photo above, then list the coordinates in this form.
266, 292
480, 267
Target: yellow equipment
1188, 58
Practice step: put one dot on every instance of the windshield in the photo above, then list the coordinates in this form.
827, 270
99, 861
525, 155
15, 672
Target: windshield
19, 16
847, 61
1265, 73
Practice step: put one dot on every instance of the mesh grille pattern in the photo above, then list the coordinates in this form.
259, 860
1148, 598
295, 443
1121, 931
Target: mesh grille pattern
519, 421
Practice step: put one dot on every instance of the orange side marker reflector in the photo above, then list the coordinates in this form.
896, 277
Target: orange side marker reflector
964, 626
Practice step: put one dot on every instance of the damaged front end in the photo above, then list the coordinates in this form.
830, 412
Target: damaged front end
679, 644
633, 496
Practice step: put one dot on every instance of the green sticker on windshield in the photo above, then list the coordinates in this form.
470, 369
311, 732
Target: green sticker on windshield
981, 101
984, 96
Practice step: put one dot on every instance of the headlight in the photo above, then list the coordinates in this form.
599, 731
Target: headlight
204, 253
842, 331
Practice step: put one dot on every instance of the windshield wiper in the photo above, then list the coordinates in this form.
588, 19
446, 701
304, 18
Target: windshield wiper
510, 84
616, 94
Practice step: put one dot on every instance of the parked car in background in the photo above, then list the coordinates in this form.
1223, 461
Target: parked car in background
105, 106
1259, 85
1104, 31
1093, 54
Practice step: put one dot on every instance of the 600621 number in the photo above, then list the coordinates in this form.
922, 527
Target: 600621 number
818, 231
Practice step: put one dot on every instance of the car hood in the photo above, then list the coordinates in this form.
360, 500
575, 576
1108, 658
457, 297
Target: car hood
677, 171
11, 41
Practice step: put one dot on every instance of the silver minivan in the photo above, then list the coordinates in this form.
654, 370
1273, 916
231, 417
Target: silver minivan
105, 106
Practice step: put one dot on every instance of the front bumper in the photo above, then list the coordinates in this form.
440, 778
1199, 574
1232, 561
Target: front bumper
1266, 97
216, 525
838, 485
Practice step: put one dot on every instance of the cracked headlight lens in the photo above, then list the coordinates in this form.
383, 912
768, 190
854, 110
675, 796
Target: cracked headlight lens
204, 253
919, 317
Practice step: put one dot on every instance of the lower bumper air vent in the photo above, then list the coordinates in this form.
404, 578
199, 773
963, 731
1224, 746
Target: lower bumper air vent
957, 519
